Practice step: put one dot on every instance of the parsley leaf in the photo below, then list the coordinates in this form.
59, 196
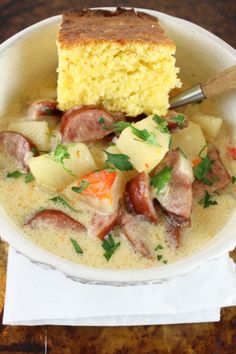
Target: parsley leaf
59, 199
15, 174
101, 121
202, 169
165, 261
120, 161
109, 246
159, 247
76, 246
207, 200
162, 123
179, 119
159, 257
118, 127
161, 179
29, 177
59, 155
34, 150
83, 185
148, 138
233, 179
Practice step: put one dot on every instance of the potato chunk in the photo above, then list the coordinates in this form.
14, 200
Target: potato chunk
210, 125
37, 132
52, 174
190, 140
143, 156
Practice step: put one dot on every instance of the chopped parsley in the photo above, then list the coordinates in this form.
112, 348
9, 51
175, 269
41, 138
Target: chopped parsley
202, 169
165, 261
207, 200
101, 121
34, 150
148, 138
233, 179
160, 180
76, 246
59, 155
159, 257
179, 119
83, 185
15, 174
118, 127
29, 177
109, 246
120, 161
159, 247
161, 123
59, 199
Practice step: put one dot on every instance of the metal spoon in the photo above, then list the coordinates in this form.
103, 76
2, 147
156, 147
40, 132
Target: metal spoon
224, 81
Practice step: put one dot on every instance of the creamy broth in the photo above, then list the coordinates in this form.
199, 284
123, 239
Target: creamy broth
22, 201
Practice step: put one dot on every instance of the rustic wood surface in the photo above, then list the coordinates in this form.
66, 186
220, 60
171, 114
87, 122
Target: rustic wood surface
210, 338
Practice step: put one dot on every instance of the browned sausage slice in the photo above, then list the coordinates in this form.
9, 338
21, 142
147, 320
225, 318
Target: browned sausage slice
101, 224
176, 121
138, 197
85, 124
55, 218
43, 109
218, 174
19, 147
128, 223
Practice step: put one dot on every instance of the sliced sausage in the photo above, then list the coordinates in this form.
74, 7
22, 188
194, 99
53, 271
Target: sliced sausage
54, 218
128, 224
138, 197
19, 147
85, 124
218, 175
175, 125
101, 224
43, 109
176, 197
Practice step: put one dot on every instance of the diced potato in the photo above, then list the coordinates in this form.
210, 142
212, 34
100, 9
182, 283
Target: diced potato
143, 156
113, 149
37, 132
52, 174
190, 140
102, 191
210, 125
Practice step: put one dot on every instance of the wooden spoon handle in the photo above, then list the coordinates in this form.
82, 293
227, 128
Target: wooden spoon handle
222, 82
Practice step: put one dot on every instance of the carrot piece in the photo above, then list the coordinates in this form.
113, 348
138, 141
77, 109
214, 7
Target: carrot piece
196, 161
231, 150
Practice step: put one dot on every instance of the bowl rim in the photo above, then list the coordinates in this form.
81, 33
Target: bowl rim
86, 274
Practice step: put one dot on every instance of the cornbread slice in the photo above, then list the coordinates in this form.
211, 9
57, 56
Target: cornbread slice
121, 60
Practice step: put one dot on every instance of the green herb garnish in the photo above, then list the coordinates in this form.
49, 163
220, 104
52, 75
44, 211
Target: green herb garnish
207, 200
101, 121
162, 123
165, 261
201, 170
76, 246
159, 247
34, 150
118, 127
160, 180
59, 199
120, 161
109, 246
29, 177
159, 257
83, 185
233, 179
15, 174
59, 155
179, 119
148, 138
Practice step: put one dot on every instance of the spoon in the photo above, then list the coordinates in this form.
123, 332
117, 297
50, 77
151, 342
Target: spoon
222, 82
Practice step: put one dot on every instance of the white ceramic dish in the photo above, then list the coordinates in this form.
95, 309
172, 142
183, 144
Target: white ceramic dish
30, 57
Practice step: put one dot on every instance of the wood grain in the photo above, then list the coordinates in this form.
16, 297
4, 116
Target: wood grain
209, 338
223, 82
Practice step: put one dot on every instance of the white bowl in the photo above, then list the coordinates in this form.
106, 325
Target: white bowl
30, 57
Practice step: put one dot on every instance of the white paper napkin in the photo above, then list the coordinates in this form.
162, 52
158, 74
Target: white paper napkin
38, 296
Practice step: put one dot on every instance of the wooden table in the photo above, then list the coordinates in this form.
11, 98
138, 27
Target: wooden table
210, 338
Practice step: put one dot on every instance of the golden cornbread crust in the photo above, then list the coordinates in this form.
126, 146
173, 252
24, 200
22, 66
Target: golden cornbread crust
121, 26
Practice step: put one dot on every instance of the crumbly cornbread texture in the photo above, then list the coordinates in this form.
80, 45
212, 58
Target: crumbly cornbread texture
121, 60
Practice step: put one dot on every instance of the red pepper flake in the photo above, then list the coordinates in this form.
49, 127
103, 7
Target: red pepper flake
231, 150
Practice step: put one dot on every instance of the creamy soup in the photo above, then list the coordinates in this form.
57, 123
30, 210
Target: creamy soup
23, 200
